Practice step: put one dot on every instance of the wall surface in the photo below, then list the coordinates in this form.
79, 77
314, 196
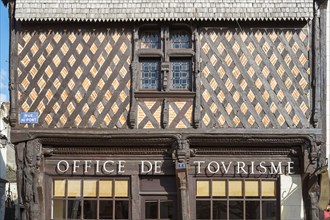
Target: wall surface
328, 80
292, 206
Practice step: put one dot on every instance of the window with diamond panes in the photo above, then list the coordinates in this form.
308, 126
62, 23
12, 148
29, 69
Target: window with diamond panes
248, 199
180, 39
181, 74
150, 74
90, 199
150, 39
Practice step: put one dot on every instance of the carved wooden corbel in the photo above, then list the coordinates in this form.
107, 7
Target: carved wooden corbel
31, 180
165, 114
132, 112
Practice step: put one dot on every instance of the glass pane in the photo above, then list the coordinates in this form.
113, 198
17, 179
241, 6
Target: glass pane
74, 209
74, 188
166, 209
105, 188
90, 209
235, 209
180, 39
121, 188
150, 39
180, 74
202, 188
106, 209
252, 210
150, 74
235, 188
218, 188
58, 209
269, 210
59, 188
219, 210
151, 209
89, 188
203, 210
121, 210
268, 188
252, 188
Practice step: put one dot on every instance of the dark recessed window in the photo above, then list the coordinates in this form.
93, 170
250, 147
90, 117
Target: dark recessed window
180, 39
150, 74
90, 199
181, 74
150, 39
252, 199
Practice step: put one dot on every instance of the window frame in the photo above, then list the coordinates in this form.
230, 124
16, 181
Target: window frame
171, 72
140, 78
242, 198
166, 54
83, 198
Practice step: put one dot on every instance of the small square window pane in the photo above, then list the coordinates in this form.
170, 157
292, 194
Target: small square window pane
58, 209
252, 210
218, 188
90, 209
251, 188
166, 209
59, 188
74, 188
121, 210
202, 188
269, 210
121, 188
89, 188
151, 209
268, 188
105, 209
203, 210
74, 209
236, 210
219, 210
105, 188
235, 188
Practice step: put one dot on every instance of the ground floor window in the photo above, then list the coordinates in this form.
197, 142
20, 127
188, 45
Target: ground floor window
90, 198
159, 208
246, 199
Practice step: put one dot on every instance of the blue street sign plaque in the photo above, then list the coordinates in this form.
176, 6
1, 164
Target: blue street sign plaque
181, 165
28, 118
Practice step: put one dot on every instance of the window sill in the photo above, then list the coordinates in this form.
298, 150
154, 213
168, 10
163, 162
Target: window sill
149, 53
180, 52
165, 94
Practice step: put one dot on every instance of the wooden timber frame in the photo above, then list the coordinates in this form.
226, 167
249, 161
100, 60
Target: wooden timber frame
34, 145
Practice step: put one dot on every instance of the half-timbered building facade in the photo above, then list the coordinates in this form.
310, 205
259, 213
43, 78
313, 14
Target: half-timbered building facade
163, 109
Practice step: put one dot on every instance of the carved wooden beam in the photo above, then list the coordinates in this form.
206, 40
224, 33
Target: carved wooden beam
197, 101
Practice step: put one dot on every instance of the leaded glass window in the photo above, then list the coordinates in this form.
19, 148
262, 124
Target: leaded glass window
150, 70
180, 39
181, 74
150, 39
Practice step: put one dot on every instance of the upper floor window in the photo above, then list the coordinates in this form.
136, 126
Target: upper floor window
150, 72
181, 73
163, 65
180, 39
150, 39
